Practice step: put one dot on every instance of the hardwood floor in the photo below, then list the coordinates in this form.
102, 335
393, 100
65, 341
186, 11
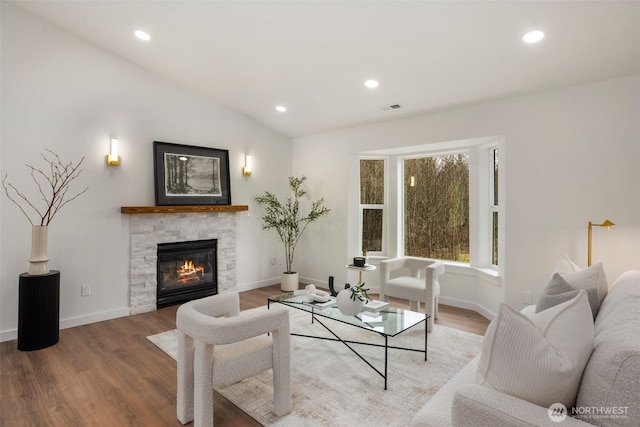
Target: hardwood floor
109, 374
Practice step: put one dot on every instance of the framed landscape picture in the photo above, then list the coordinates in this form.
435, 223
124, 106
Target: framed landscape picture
190, 175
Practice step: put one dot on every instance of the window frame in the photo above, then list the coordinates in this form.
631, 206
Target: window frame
383, 207
479, 219
493, 206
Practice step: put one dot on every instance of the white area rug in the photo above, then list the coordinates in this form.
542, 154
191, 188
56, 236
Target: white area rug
331, 386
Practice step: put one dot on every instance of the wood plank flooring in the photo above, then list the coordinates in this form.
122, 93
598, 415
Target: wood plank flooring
109, 374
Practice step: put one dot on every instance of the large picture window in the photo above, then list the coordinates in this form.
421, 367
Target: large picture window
436, 207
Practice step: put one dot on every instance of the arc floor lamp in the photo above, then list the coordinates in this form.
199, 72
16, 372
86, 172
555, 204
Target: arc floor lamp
607, 224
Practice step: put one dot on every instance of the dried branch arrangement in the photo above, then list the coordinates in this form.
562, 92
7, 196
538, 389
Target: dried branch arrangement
52, 182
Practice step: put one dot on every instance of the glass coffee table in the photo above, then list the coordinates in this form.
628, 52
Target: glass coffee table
388, 322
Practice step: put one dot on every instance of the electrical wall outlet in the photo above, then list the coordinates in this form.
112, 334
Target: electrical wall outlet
85, 290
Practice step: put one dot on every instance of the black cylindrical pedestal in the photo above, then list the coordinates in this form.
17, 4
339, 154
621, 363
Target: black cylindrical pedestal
39, 311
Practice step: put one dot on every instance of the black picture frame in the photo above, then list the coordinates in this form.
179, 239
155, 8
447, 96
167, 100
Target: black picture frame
190, 175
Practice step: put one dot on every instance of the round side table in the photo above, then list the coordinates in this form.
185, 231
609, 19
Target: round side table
38, 311
367, 267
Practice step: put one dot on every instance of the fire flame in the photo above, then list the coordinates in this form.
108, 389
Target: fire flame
188, 272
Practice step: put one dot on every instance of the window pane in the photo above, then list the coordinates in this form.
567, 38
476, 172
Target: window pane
371, 182
436, 211
494, 241
372, 230
495, 177
494, 201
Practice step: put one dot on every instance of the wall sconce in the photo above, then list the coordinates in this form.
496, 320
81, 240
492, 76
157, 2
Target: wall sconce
607, 224
246, 170
113, 158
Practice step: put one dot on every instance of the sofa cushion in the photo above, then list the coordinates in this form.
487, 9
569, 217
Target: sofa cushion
559, 291
611, 379
437, 411
538, 358
475, 406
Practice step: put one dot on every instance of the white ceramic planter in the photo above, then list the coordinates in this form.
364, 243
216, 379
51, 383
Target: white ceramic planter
346, 305
289, 282
39, 260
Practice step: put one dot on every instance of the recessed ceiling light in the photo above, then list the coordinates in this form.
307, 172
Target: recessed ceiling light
142, 35
371, 84
533, 36
281, 108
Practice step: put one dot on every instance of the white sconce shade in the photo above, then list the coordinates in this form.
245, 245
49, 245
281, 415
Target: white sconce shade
113, 158
246, 170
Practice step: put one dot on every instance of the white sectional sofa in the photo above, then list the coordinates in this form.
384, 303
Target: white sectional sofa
608, 392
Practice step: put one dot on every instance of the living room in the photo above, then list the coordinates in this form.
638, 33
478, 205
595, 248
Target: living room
571, 153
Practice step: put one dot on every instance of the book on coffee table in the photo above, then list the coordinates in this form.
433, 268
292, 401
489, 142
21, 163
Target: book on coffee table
321, 305
375, 305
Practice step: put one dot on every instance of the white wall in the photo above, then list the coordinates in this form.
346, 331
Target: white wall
571, 156
62, 93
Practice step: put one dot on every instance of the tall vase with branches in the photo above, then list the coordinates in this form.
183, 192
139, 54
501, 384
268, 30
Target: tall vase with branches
286, 218
53, 183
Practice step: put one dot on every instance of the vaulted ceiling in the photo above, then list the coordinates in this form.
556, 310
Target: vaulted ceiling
314, 56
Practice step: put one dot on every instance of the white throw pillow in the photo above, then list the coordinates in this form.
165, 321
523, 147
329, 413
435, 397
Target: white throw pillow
590, 277
538, 358
565, 265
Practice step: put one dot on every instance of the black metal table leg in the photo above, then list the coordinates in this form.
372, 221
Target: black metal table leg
425, 340
386, 351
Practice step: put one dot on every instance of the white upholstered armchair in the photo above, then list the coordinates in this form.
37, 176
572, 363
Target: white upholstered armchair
414, 279
218, 344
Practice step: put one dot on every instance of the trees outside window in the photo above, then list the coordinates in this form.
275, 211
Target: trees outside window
372, 204
494, 166
436, 207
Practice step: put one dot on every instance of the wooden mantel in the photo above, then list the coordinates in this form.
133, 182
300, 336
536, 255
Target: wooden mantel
179, 209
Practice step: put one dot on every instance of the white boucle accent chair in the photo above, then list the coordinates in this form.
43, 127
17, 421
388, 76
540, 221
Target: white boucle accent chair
414, 279
219, 345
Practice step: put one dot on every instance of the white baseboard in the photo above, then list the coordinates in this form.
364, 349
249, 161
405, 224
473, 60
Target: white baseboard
467, 305
12, 334
9, 335
72, 322
257, 285
319, 283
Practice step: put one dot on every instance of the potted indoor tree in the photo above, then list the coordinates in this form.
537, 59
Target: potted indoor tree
289, 223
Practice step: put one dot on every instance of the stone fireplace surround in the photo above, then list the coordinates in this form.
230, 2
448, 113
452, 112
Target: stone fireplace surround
149, 229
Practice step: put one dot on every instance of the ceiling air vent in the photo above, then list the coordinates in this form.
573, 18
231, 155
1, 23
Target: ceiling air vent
391, 107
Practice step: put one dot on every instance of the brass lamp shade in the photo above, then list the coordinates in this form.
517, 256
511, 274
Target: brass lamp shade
605, 223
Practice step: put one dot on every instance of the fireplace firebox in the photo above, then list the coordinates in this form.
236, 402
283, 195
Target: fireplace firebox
186, 271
